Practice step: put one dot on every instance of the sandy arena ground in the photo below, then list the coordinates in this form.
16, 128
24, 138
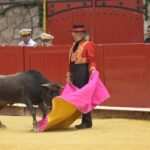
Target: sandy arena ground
106, 134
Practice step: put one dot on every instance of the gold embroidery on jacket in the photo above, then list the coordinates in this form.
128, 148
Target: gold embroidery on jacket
70, 53
76, 56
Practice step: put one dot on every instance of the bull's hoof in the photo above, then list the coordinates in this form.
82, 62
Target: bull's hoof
2, 126
34, 130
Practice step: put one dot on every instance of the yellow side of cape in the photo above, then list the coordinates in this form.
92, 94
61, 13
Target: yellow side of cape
63, 114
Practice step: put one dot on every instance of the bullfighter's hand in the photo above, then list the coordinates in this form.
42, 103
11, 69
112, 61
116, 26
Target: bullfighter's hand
92, 70
68, 79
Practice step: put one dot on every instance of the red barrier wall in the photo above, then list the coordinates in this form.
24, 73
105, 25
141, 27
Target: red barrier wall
127, 74
11, 59
124, 68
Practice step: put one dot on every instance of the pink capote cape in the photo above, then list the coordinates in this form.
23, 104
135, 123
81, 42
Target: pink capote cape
89, 96
67, 107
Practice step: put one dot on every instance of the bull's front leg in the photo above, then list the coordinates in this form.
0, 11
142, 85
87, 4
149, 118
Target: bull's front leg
44, 109
33, 113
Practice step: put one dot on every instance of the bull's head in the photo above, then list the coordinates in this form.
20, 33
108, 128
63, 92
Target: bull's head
51, 90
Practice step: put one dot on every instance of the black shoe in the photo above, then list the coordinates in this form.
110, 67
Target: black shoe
83, 126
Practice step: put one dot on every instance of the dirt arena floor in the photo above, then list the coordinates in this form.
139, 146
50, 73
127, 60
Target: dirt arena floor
106, 134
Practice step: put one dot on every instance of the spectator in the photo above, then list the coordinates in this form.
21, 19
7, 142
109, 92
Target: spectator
47, 39
26, 38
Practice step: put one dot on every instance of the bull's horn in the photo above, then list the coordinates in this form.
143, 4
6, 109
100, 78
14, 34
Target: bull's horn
49, 85
46, 85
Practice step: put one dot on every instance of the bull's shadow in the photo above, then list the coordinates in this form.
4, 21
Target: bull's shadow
62, 130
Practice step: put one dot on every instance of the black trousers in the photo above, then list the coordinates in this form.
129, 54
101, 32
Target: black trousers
80, 76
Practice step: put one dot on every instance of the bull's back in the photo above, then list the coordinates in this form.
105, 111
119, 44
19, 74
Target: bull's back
10, 87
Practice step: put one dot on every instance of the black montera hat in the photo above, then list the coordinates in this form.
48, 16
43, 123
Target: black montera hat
78, 28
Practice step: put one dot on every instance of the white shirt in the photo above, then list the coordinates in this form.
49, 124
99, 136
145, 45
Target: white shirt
30, 43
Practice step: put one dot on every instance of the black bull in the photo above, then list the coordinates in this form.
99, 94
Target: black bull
29, 87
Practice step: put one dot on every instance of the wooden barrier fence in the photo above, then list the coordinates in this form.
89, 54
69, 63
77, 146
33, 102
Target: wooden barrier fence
124, 68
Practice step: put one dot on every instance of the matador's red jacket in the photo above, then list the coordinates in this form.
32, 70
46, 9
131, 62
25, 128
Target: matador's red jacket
85, 54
